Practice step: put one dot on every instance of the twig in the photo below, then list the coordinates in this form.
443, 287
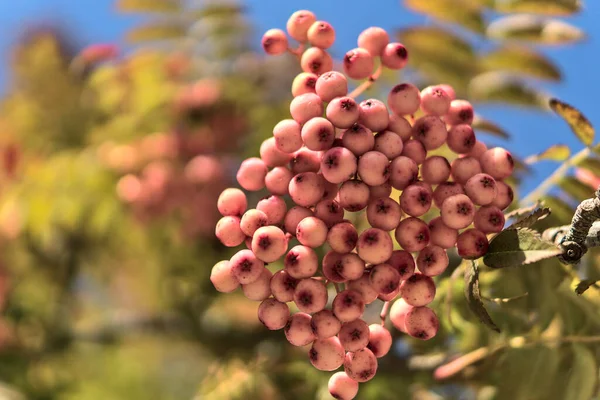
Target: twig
384, 312
367, 84
297, 51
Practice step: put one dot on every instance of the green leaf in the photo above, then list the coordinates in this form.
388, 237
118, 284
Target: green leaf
583, 374
498, 87
155, 31
219, 10
591, 164
482, 124
516, 247
523, 211
557, 152
520, 60
474, 297
149, 6
580, 125
542, 7
575, 188
462, 12
584, 285
529, 220
534, 29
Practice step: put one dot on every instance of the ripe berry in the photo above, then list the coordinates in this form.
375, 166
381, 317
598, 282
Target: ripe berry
246, 267
222, 277
431, 131
274, 42
316, 61
462, 169
358, 63
472, 244
412, 234
481, 188
432, 260
278, 180
252, 220
298, 331
305, 107
358, 139
415, 150
342, 387
305, 160
354, 195
259, 289
403, 262
330, 85
404, 99
351, 267
384, 213
374, 168
504, 195
304, 82
394, 56
348, 305
478, 149
301, 262
435, 101
330, 212
311, 232
287, 136
318, 134
325, 324
293, 218
321, 34
338, 165
342, 237
435, 170
228, 231
384, 278
461, 138
421, 323
363, 286
269, 243
497, 162
389, 143
403, 172
310, 295
374, 246
354, 335
460, 112
445, 190
273, 314
489, 219
232, 202
326, 354
251, 174
373, 40
299, 23
415, 200
360, 365
342, 112
398, 313
373, 114
283, 286
331, 266
380, 340
441, 235
418, 290
384, 190
457, 211
400, 126
274, 207
306, 189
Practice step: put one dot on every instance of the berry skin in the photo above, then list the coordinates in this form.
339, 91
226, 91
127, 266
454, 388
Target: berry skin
342, 112
318, 134
260, 289
412, 234
305, 160
325, 324
373, 40
360, 365
246, 267
274, 207
432, 260
363, 286
389, 143
384, 278
278, 180
274, 42
457, 211
478, 149
374, 246
342, 237
462, 169
298, 24
481, 188
321, 34
373, 114
306, 189
418, 290
403, 262
390, 296
330, 85
338, 165
415, 200
251, 174
305, 107
301, 262
403, 172
273, 314
394, 56
374, 168
331, 266
358, 63
232, 202
287, 136
330, 212
445, 190
342, 387
310, 296
435, 170
331, 189
472, 244
421, 323
448, 89
348, 305
400, 126
504, 195
316, 61
384, 213
311, 232
461, 138
497, 162
298, 331
252, 220
293, 218
460, 112
228, 231
304, 82
222, 278
398, 313
441, 235
415, 150
352, 266
404, 99
384, 190
326, 354
283, 286
431, 131
358, 139
269, 243
354, 335
435, 101
354, 195
489, 219
380, 340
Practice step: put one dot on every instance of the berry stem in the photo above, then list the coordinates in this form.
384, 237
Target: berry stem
553, 179
367, 84
384, 312
337, 287
297, 51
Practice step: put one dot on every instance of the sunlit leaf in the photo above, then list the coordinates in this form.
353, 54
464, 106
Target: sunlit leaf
497, 87
148, 6
529, 220
516, 247
542, 7
584, 285
219, 10
534, 29
575, 188
464, 13
579, 124
523, 211
474, 297
155, 31
522, 61
582, 375
557, 152
482, 124
591, 164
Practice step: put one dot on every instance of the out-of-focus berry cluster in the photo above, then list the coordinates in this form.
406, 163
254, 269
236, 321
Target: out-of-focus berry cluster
337, 156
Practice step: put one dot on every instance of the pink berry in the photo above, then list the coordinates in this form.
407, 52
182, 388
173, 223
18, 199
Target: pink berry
404, 99
301, 262
283, 286
252, 220
460, 112
361, 365
326, 354
330, 212
246, 267
321, 34
358, 139
342, 387
431, 131
358, 63
311, 232
342, 112
228, 231
352, 266
304, 82
421, 323
394, 56
435, 170
461, 138
274, 207
293, 218
325, 324
489, 219
348, 305
457, 211
374, 246
432, 260
415, 150
316, 61
400, 126
445, 190
354, 335
390, 296
274, 42
481, 189
363, 286
384, 213
441, 235
354, 195
384, 278
389, 143
277, 180
374, 168
403, 262
384, 190
287, 136
342, 237
331, 189
448, 89
306, 189
232, 202
418, 290
415, 200
222, 278
412, 234
338, 165
403, 172
318, 134
497, 162
478, 149
305, 160
305, 107
504, 195
260, 289
398, 313
299, 23
462, 169
435, 101
373, 40
273, 314
298, 331
251, 174
331, 266
269, 243
373, 114
330, 85
310, 296
472, 244
380, 340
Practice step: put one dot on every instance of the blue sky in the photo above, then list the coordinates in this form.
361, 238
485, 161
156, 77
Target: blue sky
532, 131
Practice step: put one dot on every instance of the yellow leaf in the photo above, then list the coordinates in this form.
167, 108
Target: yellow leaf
558, 152
462, 12
543, 7
534, 29
579, 124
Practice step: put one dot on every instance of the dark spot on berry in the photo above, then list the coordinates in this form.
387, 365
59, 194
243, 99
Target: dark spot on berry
315, 66
291, 258
495, 219
422, 335
290, 283
399, 88
351, 238
335, 396
423, 198
486, 182
305, 298
381, 207
267, 43
245, 265
465, 114
324, 135
264, 242
313, 355
401, 52
333, 207
347, 105
299, 178
311, 82
510, 159
463, 208
365, 374
387, 170
371, 238
288, 326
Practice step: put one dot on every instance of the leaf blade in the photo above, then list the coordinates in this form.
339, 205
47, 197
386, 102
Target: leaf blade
473, 296
557, 152
520, 60
553, 8
516, 247
529, 220
579, 124
464, 13
482, 124
530, 28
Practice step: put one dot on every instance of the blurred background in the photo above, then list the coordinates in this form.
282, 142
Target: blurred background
122, 120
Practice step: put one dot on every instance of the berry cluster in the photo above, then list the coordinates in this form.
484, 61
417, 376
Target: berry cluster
335, 155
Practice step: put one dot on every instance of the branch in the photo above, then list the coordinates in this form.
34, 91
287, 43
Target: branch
367, 84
